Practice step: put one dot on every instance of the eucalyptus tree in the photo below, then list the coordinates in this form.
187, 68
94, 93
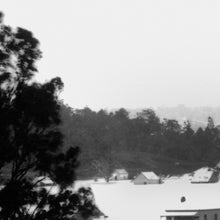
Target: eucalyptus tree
30, 139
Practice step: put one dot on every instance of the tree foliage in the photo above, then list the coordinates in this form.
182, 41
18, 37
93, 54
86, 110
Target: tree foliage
116, 137
31, 140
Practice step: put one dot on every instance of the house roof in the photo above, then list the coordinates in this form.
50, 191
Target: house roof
188, 212
120, 171
218, 165
183, 213
150, 175
193, 205
191, 210
202, 175
43, 179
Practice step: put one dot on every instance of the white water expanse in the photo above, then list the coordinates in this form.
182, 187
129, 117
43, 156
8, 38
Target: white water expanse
122, 200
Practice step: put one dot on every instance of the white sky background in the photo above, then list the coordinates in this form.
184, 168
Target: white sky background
123, 53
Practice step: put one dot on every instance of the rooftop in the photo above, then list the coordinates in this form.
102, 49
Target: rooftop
150, 175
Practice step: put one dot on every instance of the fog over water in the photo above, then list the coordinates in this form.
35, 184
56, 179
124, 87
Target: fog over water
125, 53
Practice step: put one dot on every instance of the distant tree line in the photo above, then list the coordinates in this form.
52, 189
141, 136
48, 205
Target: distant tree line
104, 135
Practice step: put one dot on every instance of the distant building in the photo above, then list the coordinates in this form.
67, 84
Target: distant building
119, 174
43, 181
192, 208
191, 214
217, 166
205, 175
147, 178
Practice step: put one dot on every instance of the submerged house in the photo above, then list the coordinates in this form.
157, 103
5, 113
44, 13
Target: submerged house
217, 167
205, 175
120, 174
147, 178
43, 181
191, 214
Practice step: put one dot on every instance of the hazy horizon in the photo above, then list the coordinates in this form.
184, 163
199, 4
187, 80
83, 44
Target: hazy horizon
124, 53
147, 107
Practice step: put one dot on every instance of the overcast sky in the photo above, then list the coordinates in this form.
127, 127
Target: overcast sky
123, 53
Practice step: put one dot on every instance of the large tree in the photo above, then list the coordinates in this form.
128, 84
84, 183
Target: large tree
30, 138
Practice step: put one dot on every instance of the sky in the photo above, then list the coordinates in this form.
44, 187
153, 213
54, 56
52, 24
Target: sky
126, 53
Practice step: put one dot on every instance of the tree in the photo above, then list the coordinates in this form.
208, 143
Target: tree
31, 140
172, 133
186, 142
187, 130
103, 168
210, 124
122, 114
151, 119
171, 126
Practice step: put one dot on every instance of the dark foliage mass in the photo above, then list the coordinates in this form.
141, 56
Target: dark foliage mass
113, 139
30, 137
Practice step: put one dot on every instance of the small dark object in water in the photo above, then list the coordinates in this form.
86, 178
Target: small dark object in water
183, 199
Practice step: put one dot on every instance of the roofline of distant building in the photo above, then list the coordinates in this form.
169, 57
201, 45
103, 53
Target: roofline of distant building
190, 210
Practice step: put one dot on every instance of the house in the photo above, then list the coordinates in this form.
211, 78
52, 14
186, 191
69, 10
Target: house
217, 167
205, 175
43, 181
191, 214
192, 208
147, 178
119, 174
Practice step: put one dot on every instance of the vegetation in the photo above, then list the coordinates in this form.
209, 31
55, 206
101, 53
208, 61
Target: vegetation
143, 142
33, 144
31, 140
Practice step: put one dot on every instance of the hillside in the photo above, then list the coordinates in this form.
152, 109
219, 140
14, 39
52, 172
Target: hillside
138, 162
110, 140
